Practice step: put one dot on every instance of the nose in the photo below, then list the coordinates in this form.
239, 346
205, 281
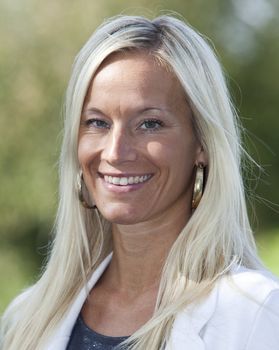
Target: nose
119, 147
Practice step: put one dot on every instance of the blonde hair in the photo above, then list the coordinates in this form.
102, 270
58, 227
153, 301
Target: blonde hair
217, 234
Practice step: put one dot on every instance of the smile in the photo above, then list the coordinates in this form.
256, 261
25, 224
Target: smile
124, 181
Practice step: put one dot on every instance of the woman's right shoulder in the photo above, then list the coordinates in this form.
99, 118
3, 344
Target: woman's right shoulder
10, 314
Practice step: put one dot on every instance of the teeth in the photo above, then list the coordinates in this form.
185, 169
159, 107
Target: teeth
116, 180
124, 181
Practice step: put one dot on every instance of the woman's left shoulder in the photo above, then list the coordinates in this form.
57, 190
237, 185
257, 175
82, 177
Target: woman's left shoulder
241, 312
255, 284
251, 299
245, 311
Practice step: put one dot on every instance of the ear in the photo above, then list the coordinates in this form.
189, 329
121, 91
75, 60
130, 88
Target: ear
201, 157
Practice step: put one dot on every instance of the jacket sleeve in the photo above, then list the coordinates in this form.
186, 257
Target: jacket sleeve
265, 331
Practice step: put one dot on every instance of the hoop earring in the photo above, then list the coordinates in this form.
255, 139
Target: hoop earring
198, 186
80, 188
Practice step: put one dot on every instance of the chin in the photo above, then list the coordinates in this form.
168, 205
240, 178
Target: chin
120, 214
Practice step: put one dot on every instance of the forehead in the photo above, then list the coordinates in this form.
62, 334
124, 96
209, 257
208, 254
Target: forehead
138, 68
139, 72
136, 56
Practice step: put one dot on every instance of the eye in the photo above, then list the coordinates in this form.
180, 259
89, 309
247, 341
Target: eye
97, 123
151, 124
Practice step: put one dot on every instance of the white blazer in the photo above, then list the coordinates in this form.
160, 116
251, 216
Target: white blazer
241, 313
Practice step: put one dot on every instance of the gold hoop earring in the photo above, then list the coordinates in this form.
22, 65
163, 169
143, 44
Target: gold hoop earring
198, 186
80, 187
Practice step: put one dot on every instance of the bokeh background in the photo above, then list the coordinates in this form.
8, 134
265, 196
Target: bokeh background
38, 42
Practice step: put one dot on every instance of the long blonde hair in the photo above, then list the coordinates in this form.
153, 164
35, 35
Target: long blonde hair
217, 234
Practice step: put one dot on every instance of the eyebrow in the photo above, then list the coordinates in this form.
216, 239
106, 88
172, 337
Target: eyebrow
94, 110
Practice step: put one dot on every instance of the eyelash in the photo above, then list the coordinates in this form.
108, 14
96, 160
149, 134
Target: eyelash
93, 122
104, 125
159, 125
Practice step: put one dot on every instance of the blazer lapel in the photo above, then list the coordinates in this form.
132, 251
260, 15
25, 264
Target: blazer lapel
187, 328
61, 337
188, 325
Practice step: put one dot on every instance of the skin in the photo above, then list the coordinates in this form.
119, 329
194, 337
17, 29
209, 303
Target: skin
136, 121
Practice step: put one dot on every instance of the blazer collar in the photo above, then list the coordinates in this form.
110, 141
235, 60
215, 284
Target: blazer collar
61, 337
186, 330
189, 324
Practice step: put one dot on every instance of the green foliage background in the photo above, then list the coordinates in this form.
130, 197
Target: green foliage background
39, 40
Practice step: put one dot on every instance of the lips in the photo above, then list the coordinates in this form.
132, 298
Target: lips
126, 180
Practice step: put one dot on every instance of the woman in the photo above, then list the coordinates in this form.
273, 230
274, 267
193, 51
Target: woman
153, 248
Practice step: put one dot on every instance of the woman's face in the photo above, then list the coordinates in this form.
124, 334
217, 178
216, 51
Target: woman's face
137, 148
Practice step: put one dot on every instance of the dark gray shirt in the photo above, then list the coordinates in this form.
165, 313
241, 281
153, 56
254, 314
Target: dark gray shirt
84, 338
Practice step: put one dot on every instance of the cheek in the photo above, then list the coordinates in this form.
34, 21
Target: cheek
155, 149
173, 154
160, 154
86, 151
82, 152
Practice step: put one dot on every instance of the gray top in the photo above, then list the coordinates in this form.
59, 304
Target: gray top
84, 338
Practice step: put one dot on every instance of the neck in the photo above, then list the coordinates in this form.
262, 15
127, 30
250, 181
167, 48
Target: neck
140, 251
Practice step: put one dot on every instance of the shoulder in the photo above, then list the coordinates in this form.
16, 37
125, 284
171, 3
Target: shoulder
245, 293
242, 283
253, 278
246, 313
241, 312
12, 312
